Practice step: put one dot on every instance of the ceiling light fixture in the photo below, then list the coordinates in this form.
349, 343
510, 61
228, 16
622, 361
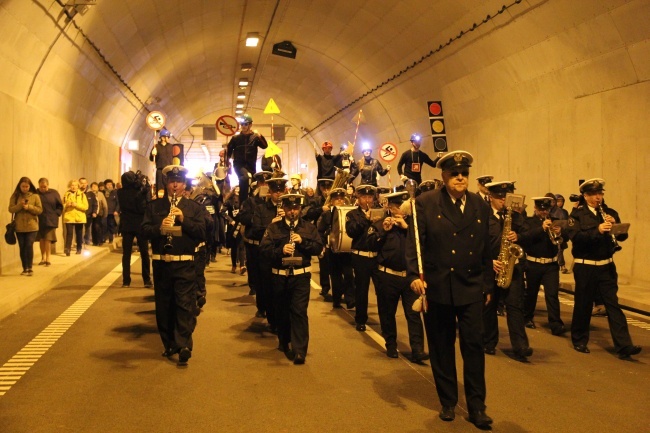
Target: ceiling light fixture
241, 96
239, 105
252, 39
245, 67
239, 111
243, 82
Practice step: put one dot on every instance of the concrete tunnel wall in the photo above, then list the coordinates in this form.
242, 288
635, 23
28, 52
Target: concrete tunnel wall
546, 93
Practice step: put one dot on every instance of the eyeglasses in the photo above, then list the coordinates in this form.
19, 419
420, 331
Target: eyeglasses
245, 124
462, 173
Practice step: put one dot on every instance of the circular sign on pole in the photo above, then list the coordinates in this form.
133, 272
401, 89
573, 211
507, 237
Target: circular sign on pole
388, 152
227, 125
155, 120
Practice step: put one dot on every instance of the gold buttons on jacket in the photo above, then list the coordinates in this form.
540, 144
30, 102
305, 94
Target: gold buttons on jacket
452, 269
453, 251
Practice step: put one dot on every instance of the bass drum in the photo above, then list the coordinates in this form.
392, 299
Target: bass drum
338, 239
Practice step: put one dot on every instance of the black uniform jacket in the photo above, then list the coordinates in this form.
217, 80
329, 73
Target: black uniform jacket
193, 226
277, 236
390, 244
455, 248
133, 203
535, 240
263, 214
496, 230
245, 216
588, 242
358, 227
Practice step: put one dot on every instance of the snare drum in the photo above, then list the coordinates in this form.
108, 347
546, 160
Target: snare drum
220, 173
338, 239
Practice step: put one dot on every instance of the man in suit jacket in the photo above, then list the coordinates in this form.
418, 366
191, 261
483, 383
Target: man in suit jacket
452, 224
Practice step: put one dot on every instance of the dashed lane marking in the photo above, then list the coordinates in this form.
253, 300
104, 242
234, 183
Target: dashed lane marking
14, 369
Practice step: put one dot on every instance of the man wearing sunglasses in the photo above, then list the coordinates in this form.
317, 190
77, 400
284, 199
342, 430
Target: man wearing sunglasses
454, 247
242, 148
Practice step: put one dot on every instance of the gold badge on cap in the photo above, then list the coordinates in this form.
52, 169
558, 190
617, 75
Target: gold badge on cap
458, 157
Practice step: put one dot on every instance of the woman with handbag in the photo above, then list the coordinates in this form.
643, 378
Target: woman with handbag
26, 205
75, 204
48, 221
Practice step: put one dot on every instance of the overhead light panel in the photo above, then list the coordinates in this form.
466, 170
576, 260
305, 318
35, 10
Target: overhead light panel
245, 67
239, 111
241, 96
252, 39
239, 105
243, 82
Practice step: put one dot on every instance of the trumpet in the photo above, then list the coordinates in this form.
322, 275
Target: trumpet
615, 247
556, 239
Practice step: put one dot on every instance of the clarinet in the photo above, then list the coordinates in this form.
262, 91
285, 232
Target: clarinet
615, 246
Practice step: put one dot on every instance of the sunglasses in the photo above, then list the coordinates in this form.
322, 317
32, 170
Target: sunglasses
462, 173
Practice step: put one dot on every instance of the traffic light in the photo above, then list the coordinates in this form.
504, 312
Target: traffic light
438, 130
177, 154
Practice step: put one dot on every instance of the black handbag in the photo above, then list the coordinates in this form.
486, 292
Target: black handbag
10, 234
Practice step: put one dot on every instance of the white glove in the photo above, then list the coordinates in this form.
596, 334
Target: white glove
249, 175
273, 165
388, 167
154, 152
404, 178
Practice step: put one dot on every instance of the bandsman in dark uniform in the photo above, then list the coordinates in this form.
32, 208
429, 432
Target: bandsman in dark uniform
453, 229
594, 270
411, 162
513, 296
206, 196
481, 181
428, 185
314, 212
269, 211
289, 244
389, 239
341, 274
175, 226
358, 226
541, 241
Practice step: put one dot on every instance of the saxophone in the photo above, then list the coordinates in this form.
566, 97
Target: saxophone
508, 254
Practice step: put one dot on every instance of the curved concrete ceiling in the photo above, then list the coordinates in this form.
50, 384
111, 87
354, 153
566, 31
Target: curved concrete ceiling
184, 57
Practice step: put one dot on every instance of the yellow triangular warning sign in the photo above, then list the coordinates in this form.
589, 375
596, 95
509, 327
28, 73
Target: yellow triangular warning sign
271, 107
272, 149
359, 117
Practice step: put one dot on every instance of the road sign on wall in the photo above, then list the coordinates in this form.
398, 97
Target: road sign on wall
388, 152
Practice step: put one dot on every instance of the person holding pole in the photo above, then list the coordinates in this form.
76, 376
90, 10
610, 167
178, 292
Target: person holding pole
453, 233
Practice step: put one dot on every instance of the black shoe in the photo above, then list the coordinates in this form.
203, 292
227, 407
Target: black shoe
628, 351
350, 305
200, 301
391, 352
558, 330
298, 359
251, 292
337, 305
183, 356
259, 314
523, 352
480, 419
170, 352
78, 252
283, 347
447, 413
361, 327
490, 351
530, 325
582, 348
67, 252
418, 357
500, 311
148, 284
126, 284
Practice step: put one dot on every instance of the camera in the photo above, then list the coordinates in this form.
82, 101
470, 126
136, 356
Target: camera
574, 198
